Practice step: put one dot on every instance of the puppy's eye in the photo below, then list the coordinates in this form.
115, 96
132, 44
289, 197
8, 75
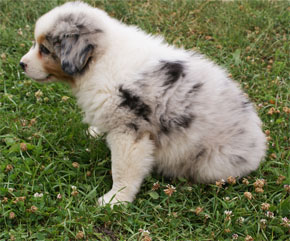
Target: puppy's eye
43, 49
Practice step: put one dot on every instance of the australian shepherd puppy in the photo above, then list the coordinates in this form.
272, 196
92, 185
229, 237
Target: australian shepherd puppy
163, 108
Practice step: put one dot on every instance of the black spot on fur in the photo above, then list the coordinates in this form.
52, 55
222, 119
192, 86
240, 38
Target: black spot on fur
80, 26
53, 55
68, 68
132, 126
98, 31
164, 125
173, 71
195, 88
68, 49
182, 121
43, 50
86, 50
134, 103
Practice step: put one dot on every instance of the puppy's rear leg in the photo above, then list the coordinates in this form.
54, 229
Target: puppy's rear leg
132, 160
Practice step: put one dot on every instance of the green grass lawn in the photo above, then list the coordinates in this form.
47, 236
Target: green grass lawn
51, 172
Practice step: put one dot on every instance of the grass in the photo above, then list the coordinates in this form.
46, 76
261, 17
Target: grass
44, 148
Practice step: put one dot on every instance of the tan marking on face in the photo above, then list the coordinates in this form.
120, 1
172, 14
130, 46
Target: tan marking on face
52, 65
40, 41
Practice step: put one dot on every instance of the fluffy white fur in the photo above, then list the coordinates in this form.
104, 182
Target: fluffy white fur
162, 108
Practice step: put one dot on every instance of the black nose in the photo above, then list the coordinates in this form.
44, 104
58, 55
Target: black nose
23, 66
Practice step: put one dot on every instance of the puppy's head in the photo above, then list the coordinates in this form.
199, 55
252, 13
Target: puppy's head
67, 40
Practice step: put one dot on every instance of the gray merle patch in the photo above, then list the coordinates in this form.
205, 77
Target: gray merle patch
173, 71
134, 103
182, 121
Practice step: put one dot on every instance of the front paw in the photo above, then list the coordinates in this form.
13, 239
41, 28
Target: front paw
114, 198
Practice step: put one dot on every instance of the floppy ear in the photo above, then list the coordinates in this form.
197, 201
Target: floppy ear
75, 53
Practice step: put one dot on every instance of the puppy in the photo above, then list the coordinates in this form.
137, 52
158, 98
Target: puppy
163, 109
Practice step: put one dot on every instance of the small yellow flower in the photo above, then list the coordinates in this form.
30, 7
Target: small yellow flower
267, 132
75, 164
280, 179
206, 216
245, 181
248, 195
64, 98
235, 236
22, 199
80, 235
287, 188
240, 220
271, 111
208, 37
3, 56
220, 183
285, 222
23, 146
37, 195
228, 215
273, 156
263, 223
74, 193
265, 206
249, 238
9, 167
259, 190
170, 190
19, 199
286, 110
174, 214
146, 238
231, 180
155, 186
269, 214
259, 183
12, 215
33, 121
198, 210
38, 94
20, 32
33, 209
145, 235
